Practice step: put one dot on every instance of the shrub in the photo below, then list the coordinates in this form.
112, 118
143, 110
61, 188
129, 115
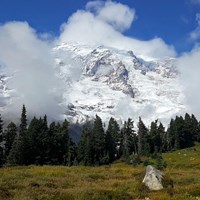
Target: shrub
134, 160
160, 163
147, 162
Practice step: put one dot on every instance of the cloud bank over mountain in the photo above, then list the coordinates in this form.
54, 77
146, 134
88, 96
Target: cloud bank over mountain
103, 23
189, 68
30, 63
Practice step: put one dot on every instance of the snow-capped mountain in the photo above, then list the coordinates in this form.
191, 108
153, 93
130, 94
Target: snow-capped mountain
117, 83
110, 82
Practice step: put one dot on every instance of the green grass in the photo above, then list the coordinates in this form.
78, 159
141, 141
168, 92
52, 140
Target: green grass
118, 181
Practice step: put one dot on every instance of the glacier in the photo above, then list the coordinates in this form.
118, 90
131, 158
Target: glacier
116, 83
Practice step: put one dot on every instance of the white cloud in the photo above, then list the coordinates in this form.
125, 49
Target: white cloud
101, 24
118, 15
195, 1
189, 67
30, 60
122, 110
195, 35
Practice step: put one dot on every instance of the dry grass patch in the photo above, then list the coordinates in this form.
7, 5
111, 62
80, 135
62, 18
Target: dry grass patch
117, 182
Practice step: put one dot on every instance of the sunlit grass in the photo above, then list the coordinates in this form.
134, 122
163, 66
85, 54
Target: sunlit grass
118, 181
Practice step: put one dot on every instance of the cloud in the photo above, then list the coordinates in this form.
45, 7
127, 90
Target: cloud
122, 110
188, 65
195, 35
195, 2
29, 60
101, 23
119, 16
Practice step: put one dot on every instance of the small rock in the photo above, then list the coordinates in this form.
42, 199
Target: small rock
153, 178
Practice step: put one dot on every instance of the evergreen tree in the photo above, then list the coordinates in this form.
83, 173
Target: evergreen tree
92, 146
22, 140
58, 148
32, 141
161, 131
9, 137
14, 156
57, 143
188, 134
195, 129
37, 141
18, 153
111, 149
72, 153
85, 147
143, 145
153, 135
98, 137
198, 133
155, 138
52, 150
23, 120
179, 134
171, 135
66, 144
112, 139
129, 141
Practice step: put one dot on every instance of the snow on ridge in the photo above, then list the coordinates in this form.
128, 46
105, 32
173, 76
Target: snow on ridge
112, 83
119, 84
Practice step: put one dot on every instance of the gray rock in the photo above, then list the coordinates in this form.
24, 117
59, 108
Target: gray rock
153, 178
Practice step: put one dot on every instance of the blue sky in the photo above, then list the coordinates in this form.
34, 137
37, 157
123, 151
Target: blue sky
171, 20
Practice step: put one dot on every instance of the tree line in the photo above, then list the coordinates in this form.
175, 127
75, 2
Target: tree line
41, 143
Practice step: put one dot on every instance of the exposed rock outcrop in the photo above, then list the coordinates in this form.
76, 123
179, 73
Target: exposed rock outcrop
153, 178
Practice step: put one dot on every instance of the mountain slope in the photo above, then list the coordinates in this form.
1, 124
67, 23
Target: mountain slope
117, 181
111, 82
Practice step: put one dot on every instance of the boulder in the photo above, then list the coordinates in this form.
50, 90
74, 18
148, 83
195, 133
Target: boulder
153, 178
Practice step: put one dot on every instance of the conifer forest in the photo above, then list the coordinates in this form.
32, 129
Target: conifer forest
41, 143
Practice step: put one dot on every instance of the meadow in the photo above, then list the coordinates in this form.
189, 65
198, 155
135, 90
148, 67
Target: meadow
118, 181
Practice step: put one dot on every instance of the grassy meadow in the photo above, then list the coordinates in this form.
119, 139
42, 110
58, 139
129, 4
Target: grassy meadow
118, 181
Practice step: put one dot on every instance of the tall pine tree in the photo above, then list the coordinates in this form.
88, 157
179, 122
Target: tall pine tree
23, 121
129, 139
143, 143
9, 137
155, 138
112, 139
18, 152
98, 137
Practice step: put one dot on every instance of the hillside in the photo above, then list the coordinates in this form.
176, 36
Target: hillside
117, 181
